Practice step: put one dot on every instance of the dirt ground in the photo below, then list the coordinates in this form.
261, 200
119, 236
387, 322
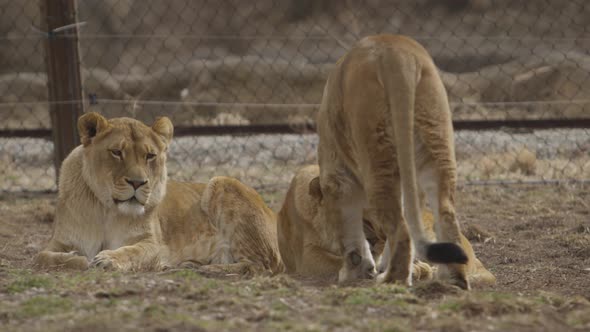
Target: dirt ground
535, 239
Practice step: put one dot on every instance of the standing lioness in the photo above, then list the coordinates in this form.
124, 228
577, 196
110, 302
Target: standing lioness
117, 209
385, 129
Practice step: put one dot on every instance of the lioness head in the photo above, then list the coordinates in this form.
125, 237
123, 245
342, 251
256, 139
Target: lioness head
307, 202
124, 161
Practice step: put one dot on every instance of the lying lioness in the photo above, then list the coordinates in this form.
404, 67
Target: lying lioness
117, 209
308, 248
384, 129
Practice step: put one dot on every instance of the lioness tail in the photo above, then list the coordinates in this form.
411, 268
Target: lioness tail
400, 74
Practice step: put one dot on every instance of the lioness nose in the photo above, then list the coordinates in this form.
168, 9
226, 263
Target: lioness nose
136, 183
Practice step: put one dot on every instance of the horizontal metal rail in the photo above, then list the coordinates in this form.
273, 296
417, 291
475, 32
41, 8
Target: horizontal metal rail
285, 128
33, 133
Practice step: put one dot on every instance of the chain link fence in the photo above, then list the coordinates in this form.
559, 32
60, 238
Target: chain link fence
231, 74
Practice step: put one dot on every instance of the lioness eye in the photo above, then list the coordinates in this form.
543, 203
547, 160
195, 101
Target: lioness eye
117, 153
150, 156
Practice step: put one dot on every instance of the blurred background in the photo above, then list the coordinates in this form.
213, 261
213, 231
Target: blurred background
241, 81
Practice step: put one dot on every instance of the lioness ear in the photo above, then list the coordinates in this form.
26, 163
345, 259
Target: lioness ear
314, 188
89, 125
163, 127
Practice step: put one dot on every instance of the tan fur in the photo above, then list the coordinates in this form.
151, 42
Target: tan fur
385, 129
307, 248
221, 225
477, 274
306, 244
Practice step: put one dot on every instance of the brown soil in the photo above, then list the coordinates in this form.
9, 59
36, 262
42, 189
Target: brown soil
535, 239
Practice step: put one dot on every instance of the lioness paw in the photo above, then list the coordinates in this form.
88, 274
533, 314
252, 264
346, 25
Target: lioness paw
357, 267
455, 274
394, 277
422, 271
105, 260
61, 260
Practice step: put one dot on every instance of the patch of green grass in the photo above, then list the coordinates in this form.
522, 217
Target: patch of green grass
548, 298
389, 325
282, 291
580, 317
489, 303
295, 326
360, 298
11, 177
279, 306
487, 296
155, 311
75, 278
15, 272
89, 306
186, 274
338, 319
80, 280
450, 306
28, 281
111, 303
44, 305
380, 295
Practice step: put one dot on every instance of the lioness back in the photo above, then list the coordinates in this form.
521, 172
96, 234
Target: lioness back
240, 227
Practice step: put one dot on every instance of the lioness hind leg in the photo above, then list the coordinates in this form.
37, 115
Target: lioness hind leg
440, 189
477, 274
245, 226
398, 259
384, 195
438, 178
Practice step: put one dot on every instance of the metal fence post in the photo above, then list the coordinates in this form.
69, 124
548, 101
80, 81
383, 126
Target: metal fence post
63, 75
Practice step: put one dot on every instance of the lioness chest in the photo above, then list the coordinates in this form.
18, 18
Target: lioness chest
110, 233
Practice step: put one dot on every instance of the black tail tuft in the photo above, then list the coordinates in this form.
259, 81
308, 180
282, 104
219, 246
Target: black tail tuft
445, 253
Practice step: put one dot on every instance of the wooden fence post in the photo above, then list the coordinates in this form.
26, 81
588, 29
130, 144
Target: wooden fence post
64, 83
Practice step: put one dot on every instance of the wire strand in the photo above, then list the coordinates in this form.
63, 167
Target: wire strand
270, 105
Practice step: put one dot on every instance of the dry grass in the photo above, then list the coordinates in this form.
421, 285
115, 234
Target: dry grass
535, 239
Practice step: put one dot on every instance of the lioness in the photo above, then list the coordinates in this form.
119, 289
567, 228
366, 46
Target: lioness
307, 248
117, 209
385, 119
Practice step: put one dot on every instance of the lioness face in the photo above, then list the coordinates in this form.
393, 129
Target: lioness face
124, 161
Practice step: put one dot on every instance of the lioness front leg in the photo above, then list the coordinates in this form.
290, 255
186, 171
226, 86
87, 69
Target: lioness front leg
142, 256
344, 201
319, 262
396, 263
58, 255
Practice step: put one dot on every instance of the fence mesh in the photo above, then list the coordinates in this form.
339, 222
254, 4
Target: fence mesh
253, 63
